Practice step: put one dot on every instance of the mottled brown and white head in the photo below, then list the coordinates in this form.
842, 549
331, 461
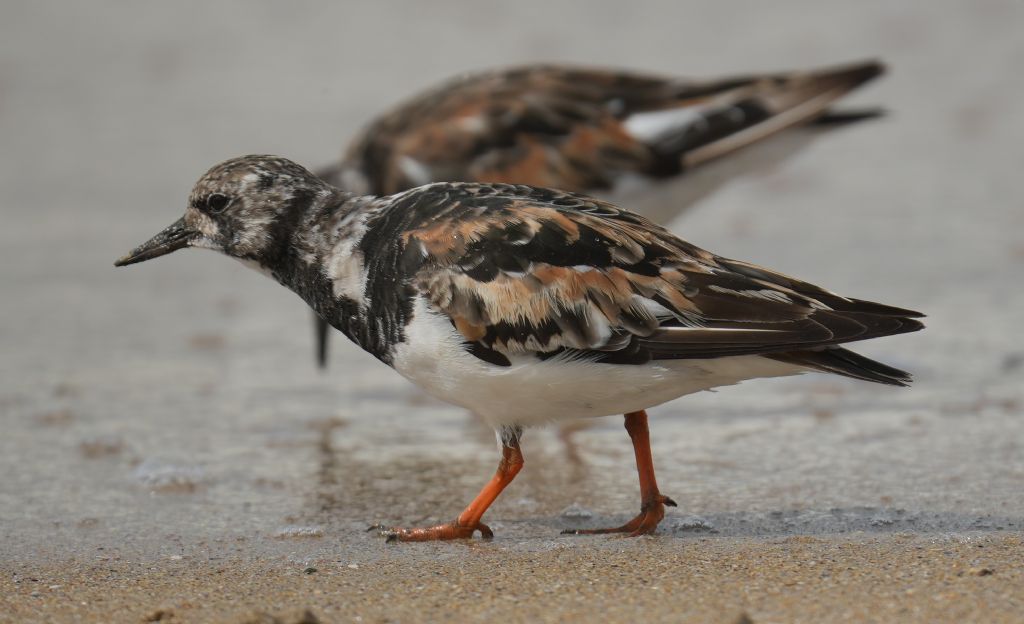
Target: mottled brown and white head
246, 207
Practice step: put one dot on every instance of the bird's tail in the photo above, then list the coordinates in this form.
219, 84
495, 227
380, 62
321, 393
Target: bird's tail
716, 119
842, 361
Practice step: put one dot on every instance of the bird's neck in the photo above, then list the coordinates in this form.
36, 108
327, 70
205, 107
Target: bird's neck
304, 262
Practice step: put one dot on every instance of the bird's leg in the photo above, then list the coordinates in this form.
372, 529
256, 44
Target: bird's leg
652, 502
469, 520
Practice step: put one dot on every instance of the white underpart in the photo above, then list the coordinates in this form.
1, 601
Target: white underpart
532, 392
648, 127
413, 169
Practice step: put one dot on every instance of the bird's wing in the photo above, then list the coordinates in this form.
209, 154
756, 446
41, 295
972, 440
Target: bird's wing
520, 270
579, 129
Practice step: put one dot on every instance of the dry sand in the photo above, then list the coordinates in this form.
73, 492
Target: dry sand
893, 578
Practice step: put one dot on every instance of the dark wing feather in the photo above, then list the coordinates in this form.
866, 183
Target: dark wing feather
570, 128
526, 270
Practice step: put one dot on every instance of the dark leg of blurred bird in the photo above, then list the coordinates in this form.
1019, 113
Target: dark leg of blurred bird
321, 329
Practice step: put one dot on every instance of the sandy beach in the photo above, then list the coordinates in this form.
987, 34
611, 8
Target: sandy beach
170, 451
892, 578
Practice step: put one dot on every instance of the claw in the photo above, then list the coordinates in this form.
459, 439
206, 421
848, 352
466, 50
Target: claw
645, 523
452, 530
390, 534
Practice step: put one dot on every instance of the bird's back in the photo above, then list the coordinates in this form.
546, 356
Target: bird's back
519, 270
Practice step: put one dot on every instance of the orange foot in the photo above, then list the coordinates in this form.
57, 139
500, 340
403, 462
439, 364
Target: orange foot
448, 531
645, 523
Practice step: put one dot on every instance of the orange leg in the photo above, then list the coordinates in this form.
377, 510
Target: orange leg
469, 520
652, 502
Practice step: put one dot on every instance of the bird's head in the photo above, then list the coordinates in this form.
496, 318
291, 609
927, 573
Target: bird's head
245, 207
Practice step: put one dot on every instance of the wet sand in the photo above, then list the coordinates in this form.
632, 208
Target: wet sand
169, 449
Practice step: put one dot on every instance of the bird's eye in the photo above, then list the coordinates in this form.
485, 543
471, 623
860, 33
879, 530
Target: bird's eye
216, 203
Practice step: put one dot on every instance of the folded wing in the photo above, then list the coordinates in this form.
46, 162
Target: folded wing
579, 128
524, 270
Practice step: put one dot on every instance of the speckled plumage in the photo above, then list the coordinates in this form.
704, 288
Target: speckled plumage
517, 270
525, 304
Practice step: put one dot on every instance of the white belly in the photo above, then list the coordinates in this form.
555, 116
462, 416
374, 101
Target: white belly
531, 392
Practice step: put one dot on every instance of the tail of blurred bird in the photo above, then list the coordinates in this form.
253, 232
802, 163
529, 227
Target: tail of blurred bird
738, 112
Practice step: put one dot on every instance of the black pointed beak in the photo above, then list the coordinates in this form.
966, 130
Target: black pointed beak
171, 238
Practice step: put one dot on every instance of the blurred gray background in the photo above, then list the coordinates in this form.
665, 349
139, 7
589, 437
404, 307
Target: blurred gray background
173, 404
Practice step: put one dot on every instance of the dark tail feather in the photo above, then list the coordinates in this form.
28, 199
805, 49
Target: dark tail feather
846, 363
752, 109
322, 330
845, 117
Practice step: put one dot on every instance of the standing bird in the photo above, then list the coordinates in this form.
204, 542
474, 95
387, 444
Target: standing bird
585, 130
525, 305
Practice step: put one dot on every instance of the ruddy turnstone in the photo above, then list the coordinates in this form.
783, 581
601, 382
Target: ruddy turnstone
525, 305
582, 129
